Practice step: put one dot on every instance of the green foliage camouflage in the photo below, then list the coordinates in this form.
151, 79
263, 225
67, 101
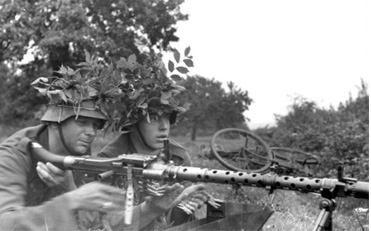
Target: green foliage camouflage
149, 91
125, 91
91, 81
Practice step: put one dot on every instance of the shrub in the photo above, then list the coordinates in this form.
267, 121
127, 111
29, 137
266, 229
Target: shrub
338, 136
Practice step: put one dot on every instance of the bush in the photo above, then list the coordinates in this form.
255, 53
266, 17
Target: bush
338, 136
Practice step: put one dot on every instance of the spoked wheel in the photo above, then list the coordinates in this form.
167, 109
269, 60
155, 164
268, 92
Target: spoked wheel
240, 150
295, 160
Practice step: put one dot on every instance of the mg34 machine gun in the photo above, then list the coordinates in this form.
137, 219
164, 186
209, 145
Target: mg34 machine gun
159, 168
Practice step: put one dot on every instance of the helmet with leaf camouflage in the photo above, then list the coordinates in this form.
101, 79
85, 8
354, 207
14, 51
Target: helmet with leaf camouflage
92, 91
149, 92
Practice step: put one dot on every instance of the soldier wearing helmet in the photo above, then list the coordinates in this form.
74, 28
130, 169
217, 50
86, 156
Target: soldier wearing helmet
39, 196
149, 108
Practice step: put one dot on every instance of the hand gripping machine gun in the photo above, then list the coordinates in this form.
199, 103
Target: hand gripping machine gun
161, 169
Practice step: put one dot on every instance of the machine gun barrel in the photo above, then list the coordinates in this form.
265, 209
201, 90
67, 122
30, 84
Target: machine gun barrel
356, 189
149, 167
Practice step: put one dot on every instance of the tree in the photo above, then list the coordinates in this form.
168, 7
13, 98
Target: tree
229, 110
61, 30
211, 106
58, 32
339, 136
20, 103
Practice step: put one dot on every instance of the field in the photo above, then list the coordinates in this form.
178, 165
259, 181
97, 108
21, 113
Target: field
292, 210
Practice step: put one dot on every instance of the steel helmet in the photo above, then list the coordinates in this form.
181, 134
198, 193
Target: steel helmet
90, 91
60, 112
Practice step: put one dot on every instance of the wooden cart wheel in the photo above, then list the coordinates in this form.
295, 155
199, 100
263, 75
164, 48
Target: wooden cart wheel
240, 150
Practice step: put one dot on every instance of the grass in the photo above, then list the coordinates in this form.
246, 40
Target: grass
292, 210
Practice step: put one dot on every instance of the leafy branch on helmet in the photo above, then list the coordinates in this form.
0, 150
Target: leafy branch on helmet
149, 91
124, 91
91, 81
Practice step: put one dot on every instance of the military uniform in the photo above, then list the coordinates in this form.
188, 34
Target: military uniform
123, 144
26, 203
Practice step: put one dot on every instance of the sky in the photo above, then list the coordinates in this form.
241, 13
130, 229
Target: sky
280, 50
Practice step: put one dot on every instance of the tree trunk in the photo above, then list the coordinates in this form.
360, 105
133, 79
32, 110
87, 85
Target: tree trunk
194, 132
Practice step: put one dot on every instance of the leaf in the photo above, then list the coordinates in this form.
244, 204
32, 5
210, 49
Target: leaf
63, 96
91, 91
171, 66
53, 95
62, 70
83, 64
176, 77
70, 71
136, 94
148, 81
116, 78
128, 71
165, 94
132, 61
164, 101
182, 70
102, 107
54, 92
176, 55
175, 92
78, 76
181, 109
180, 88
162, 67
138, 42
136, 72
129, 77
186, 51
122, 63
144, 105
187, 106
87, 69
87, 57
68, 93
188, 62
41, 90
141, 101
40, 79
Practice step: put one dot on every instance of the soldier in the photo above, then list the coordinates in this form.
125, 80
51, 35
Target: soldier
149, 110
30, 198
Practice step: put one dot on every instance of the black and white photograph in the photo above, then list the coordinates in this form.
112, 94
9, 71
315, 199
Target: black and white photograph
184, 115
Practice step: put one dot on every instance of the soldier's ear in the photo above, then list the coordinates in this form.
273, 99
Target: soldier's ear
53, 125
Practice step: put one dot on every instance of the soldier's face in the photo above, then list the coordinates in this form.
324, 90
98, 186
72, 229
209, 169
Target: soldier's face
155, 132
80, 133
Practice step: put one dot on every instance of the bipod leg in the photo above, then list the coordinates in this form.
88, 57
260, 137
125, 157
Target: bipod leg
324, 219
271, 196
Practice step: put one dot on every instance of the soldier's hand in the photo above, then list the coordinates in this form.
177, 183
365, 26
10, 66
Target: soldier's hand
196, 200
174, 195
98, 197
55, 177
